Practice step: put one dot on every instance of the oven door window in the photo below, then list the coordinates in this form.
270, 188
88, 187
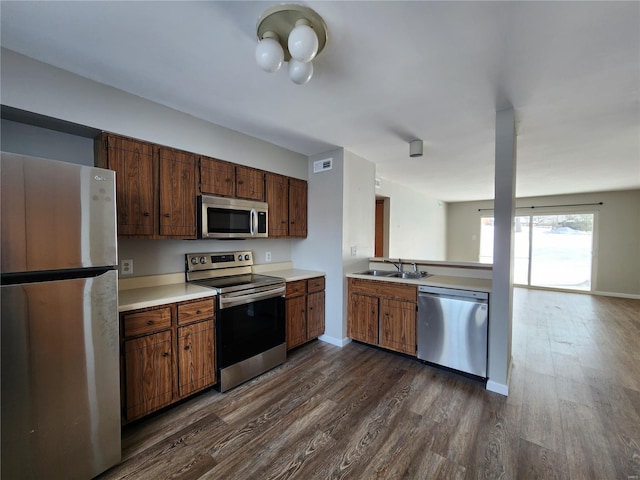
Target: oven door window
250, 329
223, 220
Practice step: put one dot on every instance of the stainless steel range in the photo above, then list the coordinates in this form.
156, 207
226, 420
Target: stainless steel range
250, 315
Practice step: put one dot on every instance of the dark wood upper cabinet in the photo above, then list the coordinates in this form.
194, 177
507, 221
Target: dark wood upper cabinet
177, 193
277, 196
297, 208
133, 163
249, 183
217, 177
157, 189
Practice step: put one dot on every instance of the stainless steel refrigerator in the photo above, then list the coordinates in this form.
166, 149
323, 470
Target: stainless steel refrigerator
60, 364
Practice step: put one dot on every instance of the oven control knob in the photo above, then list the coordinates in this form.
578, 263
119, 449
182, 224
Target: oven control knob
239, 258
194, 261
246, 257
203, 260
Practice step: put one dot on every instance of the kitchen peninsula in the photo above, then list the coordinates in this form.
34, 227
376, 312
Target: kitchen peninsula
437, 312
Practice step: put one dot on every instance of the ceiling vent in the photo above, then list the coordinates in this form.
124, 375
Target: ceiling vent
322, 165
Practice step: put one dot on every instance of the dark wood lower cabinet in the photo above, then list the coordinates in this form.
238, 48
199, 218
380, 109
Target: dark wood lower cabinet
167, 353
383, 314
195, 357
304, 310
148, 384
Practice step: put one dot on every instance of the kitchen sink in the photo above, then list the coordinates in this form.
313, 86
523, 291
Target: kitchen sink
378, 273
387, 273
414, 275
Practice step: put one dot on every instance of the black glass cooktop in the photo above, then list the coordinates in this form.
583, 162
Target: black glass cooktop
239, 282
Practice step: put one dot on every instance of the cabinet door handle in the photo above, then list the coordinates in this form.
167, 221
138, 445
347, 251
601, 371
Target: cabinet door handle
150, 322
240, 182
198, 312
165, 354
186, 347
167, 215
145, 214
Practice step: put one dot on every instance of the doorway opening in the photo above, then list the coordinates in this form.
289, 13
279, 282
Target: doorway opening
381, 240
554, 251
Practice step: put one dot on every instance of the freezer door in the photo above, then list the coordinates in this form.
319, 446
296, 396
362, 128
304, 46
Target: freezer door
452, 331
60, 378
56, 215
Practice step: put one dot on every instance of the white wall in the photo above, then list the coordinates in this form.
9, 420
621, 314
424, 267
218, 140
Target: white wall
617, 233
359, 200
322, 250
154, 257
417, 222
40, 88
341, 215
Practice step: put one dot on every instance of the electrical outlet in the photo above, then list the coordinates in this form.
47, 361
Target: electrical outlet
126, 267
267, 256
354, 251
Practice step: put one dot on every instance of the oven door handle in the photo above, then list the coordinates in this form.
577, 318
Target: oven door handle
227, 301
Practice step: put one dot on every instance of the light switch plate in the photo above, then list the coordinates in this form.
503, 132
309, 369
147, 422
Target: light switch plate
267, 256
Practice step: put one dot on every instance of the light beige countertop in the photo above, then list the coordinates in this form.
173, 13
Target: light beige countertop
462, 283
152, 296
285, 270
293, 274
151, 291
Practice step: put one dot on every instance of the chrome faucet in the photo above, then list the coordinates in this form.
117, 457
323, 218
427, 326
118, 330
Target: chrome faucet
397, 265
415, 267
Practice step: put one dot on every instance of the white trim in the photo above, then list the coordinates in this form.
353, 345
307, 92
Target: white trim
334, 341
496, 387
620, 295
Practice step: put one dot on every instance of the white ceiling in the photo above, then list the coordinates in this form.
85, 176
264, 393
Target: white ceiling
391, 72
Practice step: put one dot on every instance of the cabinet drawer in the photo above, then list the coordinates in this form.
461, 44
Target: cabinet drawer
379, 288
191, 312
315, 284
142, 323
299, 287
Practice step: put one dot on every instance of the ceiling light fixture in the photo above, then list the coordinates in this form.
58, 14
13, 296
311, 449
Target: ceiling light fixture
290, 33
415, 148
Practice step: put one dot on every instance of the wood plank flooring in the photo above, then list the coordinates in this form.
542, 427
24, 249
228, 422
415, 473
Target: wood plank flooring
360, 413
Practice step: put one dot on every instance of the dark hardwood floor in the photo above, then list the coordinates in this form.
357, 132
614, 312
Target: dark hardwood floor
360, 413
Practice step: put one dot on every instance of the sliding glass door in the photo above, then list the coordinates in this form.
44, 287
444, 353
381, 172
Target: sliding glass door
549, 250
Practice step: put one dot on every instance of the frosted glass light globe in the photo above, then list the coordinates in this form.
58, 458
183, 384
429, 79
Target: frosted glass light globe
303, 43
269, 55
300, 72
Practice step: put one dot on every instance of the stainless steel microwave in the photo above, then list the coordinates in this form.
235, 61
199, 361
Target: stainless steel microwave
221, 217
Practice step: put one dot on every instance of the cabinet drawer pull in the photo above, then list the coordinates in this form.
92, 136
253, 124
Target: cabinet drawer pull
240, 182
167, 215
165, 354
186, 347
145, 214
150, 322
198, 312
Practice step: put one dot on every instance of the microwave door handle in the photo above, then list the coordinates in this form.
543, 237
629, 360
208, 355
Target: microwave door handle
254, 222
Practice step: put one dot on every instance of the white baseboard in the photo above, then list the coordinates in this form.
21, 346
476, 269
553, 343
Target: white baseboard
620, 295
496, 387
334, 341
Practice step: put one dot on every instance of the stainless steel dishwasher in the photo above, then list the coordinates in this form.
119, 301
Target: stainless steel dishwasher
452, 328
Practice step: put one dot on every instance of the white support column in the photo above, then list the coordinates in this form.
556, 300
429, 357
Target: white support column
501, 306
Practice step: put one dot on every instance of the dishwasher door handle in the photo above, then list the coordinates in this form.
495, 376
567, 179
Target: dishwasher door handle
452, 297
